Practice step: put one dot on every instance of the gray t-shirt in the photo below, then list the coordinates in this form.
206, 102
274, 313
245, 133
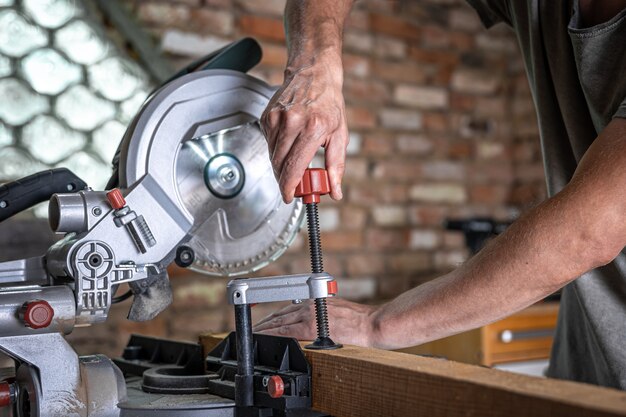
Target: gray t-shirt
578, 81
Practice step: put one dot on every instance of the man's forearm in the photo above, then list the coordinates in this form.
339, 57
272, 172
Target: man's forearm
569, 234
314, 28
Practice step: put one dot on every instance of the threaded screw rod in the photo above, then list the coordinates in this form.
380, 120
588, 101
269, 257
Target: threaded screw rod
323, 340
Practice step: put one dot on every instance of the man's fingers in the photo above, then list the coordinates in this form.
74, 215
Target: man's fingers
278, 319
282, 320
335, 156
270, 128
285, 310
296, 162
300, 331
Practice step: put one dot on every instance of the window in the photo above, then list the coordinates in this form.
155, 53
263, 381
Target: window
67, 91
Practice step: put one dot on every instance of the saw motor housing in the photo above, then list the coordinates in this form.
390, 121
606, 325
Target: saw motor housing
194, 178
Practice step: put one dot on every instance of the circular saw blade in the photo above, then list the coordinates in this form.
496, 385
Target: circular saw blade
241, 224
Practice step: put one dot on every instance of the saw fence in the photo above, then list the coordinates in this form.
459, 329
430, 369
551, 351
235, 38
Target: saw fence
361, 382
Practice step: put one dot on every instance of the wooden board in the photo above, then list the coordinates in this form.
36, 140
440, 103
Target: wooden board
360, 382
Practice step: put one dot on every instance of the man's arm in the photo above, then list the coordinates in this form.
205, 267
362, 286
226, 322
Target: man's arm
308, 111
581, 228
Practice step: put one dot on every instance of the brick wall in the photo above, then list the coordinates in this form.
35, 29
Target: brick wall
442, 125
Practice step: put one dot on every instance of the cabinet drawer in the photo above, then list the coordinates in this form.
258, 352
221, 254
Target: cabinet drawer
523, 336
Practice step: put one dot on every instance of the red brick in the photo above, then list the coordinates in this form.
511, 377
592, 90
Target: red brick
356, 170
357, 90
360, 117
355, 65
387, 47
274, 56
453, 240
357, 41
378, 193
435, 122
365, 264
400, 119
488, 194
492, 172
389, 215
397, 170
529, 172
410, 262
428, 215
352, 217
262, 27
333, 262
271, 7
459, 150
464, 19
421, 97
398, 72
342, 241
475, 81
434, 56
358, 19
414, 144
205, 20
394, 26
462, 102
387, 239
377, 144
392, 285
164, 14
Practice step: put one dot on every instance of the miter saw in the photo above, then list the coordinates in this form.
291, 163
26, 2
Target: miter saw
192, 184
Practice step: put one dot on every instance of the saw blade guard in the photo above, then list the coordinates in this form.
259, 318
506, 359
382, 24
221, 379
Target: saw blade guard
198, 137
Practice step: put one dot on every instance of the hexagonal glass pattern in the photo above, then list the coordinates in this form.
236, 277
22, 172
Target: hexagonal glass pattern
17, 36
15, 163
114, 78
19, 104
6, 135
50, 13
131, 106
81, 43
90, 168
48, 140
82, 109
48, 72
107, 138
67, 91
5, 66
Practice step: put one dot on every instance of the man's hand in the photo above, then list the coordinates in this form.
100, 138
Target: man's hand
350, 323
307, 113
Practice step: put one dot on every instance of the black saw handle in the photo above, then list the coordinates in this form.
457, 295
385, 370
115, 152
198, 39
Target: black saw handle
24, 193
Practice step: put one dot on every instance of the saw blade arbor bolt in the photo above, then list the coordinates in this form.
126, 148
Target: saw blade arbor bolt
313, 185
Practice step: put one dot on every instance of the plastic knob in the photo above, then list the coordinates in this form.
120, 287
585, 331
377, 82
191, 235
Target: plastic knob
313, 185
116, 199
332, 287
37, 314
275, 386
6, 394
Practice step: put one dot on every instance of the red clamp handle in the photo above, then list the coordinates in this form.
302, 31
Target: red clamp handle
313, 185
116, 199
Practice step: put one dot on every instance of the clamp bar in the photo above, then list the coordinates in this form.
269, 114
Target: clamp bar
281, 288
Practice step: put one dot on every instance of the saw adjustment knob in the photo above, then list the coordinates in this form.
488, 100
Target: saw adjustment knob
116, 199
7, 393
313, 185
275, 386
37, 314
